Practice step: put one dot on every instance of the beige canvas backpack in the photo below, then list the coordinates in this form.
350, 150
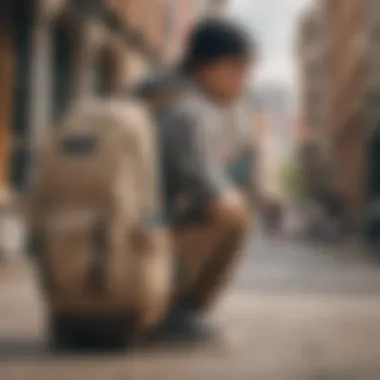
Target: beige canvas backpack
95, 213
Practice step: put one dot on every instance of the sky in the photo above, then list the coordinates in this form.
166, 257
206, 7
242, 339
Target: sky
273, 23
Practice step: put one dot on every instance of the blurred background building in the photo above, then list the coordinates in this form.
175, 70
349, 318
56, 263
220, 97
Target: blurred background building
345, 29
372, 99
332, 41
312, 75
180, 17
211, 8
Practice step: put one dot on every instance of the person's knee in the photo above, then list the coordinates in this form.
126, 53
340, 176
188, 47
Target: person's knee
232, 210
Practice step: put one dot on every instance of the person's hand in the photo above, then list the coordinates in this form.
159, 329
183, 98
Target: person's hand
228, 202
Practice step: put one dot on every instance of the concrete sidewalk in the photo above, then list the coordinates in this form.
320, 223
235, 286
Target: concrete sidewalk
295, 312
268, 337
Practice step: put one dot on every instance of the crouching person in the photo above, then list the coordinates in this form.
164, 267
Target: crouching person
207, 163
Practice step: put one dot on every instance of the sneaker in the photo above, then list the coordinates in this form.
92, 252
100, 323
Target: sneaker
186, 326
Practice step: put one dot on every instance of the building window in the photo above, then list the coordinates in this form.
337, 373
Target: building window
313, 69
373, 99
21, 31
312, 99
63, 68
170, 18
312, 32
105, 66
317, 120
376, 33
22, 42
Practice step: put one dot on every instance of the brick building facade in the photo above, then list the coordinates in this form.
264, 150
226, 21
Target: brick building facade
347, 52
182, 14
346, 60
311, 44
372, 99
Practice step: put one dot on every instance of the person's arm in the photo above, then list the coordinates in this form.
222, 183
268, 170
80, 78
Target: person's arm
198, 171
243, 173
254, 189
243, 169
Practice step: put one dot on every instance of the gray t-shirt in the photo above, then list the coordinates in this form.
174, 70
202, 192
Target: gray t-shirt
205, 149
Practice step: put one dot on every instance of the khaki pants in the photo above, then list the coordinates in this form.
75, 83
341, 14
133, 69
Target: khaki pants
208, 254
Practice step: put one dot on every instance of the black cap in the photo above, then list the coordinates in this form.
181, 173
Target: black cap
212, 40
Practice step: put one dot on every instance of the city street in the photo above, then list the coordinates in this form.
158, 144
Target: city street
294, 84
294, 312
